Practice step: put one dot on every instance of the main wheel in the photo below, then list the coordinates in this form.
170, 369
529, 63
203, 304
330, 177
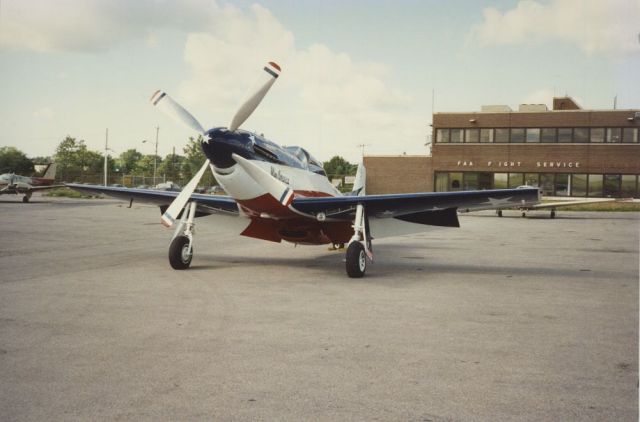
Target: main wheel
179, 256
356, 260
25, 199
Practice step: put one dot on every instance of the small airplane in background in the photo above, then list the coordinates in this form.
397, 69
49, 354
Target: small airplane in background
278, 193
11, 183
552, 204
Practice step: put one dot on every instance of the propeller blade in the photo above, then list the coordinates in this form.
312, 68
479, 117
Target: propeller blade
272, 71
168, 106
274, 187
170, 215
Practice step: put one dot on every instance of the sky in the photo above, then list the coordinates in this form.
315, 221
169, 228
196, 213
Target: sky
354, 72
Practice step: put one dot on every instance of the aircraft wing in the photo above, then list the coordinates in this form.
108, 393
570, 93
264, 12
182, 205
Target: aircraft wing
11, 189
430, 208
568, 203
207, 204
39, 188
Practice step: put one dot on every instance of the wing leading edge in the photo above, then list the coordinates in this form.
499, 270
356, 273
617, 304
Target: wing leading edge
207, 204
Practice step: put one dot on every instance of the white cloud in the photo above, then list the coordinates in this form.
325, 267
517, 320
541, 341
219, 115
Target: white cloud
324, 100
93, 25
596, 27
44, 113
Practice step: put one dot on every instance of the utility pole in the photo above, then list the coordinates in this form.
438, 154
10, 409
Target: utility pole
362, 148
106, 149
155, 158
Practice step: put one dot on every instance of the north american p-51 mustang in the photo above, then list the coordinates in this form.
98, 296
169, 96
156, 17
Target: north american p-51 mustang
11, 183
282, 193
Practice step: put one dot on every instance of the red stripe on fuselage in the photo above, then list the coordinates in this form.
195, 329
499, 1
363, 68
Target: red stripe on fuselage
267, 204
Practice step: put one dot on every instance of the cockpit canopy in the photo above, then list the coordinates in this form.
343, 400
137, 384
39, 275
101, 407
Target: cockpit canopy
307, 160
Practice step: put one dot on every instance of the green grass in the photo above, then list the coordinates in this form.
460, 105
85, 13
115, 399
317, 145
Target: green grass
67, 193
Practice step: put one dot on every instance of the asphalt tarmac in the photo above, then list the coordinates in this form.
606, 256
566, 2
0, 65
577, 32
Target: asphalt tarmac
502, 319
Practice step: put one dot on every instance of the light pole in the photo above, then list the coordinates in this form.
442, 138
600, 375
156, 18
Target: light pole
155, 157
106, 151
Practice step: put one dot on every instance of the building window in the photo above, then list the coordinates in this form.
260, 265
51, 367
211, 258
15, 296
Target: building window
502, 135
533, 135
565, 134
548, 134
614, 134
532, 179
629, 187
456, 135
595, 185
597, 135
500, 180
516, 179
486, 135
517, 135
470, 181
442, 181
485, 180
561, 185
546, 183
442, 136
581, 134
578, 185
455, 181
472, 135
611, 185
630, 134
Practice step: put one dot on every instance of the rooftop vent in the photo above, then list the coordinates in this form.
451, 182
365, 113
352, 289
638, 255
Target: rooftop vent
495, 109
533, 108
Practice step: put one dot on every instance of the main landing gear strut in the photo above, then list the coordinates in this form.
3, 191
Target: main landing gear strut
359, 249
181, 247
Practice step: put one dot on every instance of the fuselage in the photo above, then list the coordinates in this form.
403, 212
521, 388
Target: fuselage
9, 179
293, 166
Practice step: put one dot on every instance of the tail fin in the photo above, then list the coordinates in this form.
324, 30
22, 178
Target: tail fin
50, 172
361, 179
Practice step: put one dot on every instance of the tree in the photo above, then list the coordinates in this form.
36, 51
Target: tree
338, 166
128, 160
171, 166
13, 160
75, 160
42, 160
144, 165
193, 160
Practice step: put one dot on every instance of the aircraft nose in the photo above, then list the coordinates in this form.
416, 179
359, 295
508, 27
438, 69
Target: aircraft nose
222, 144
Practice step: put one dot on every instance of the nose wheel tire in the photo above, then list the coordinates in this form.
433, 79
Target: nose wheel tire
179, 254
356, 260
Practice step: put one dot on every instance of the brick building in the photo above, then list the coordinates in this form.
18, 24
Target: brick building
566, 151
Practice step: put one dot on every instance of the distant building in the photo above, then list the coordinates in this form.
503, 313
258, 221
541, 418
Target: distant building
566, 151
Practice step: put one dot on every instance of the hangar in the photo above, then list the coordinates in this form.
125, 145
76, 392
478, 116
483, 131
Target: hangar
567, 151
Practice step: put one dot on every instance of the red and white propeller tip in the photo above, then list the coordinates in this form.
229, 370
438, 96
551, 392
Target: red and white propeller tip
167, 105
272, 71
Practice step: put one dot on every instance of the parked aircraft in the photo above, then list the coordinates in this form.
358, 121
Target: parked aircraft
553, 206
280, 193
11, 183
